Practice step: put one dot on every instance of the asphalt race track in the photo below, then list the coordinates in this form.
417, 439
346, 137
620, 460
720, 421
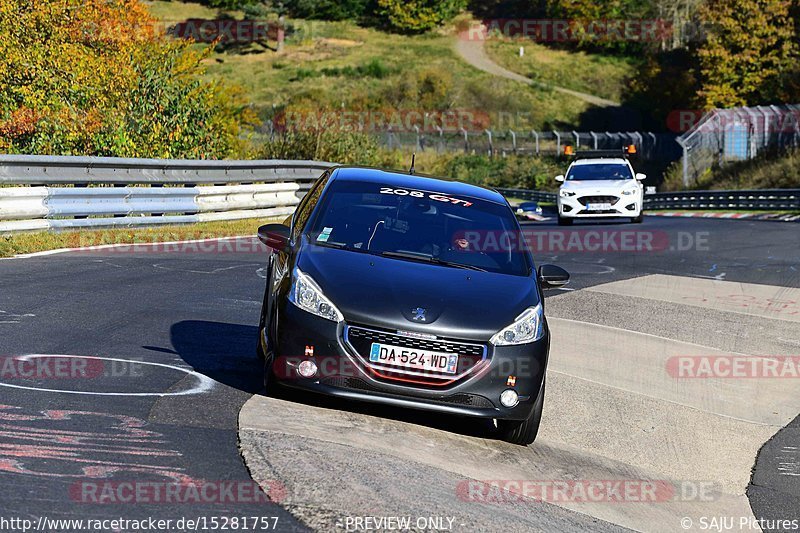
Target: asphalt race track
173, 393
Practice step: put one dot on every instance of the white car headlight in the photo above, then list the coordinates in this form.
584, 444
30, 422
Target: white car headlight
566, 194
307, 295
528, 327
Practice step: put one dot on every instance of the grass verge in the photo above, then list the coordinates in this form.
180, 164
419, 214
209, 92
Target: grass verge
605, 76
345, 67
26, 243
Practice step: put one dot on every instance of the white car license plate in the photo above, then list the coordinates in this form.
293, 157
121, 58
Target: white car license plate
413, 358
598, 207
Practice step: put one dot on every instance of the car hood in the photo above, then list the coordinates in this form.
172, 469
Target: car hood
385, 292
598, 186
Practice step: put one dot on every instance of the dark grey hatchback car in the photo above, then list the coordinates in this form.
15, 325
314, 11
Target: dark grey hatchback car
385, 289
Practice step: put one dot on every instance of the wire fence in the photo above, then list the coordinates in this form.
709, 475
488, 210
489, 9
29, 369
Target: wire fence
726, 135
650, 146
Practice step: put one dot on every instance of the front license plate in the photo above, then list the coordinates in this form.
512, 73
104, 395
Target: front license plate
598, 207
413, 358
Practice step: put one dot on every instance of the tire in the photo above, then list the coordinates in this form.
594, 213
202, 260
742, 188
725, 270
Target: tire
523, 432
639, 219
564, 221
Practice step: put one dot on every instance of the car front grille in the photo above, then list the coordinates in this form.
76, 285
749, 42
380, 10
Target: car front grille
585, 200
468, 400
469, 354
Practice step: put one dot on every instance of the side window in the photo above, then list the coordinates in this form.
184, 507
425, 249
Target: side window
307, 205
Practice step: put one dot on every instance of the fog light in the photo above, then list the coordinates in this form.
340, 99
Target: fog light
307, 369
509, 398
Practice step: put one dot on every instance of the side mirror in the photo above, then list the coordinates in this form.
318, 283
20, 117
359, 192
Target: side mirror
552, 276
276, 236
560, 178
641, 177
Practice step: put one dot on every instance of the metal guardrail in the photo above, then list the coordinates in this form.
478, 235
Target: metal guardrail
525, 194
767, 199
98, 192
55, 192
775, 199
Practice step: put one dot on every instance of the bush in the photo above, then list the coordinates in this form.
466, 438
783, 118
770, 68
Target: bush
417, 16
347, 148
516, 172
91, 77
326, 9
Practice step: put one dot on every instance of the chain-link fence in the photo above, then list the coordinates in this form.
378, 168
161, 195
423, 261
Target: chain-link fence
653, 146
737, 134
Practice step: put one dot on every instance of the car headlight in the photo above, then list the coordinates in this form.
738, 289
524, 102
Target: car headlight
528, 327
566, 194
307, 295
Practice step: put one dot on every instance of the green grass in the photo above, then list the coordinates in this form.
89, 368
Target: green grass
25, 243
771, 171
340, 65
601, 75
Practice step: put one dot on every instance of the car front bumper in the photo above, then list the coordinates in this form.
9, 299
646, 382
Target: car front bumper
342, 373
621, 206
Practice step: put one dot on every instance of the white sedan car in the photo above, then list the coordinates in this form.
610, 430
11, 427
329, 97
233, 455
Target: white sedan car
600, 188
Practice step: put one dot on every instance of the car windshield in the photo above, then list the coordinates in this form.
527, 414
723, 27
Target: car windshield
605, 171
419, 225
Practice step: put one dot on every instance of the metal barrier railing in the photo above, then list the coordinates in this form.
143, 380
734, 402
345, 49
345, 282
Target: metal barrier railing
753, 200
96, 192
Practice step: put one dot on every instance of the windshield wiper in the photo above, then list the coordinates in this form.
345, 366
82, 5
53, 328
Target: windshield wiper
330, 244
340, 246
427, 258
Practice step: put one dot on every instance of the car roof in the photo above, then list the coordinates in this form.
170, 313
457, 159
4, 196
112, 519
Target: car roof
603, 161
399, 179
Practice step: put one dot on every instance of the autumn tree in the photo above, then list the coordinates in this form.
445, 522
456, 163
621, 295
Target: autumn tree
751, 45
95, 77
416, 16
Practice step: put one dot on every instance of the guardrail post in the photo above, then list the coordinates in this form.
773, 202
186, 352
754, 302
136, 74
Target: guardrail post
577, 139
491, 145
513, 141
594, 138
466, 140
558, 142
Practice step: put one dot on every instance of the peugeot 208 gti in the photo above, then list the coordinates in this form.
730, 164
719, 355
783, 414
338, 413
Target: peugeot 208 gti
409, 291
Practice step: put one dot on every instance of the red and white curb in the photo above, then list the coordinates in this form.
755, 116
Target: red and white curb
775, 217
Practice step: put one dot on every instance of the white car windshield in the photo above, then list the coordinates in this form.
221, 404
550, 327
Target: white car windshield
606, 171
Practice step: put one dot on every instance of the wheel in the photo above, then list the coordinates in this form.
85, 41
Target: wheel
564, 221
523, 432
639, 219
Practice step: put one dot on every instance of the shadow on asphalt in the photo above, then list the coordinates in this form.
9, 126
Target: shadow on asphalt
226, 354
